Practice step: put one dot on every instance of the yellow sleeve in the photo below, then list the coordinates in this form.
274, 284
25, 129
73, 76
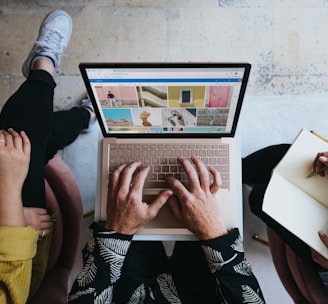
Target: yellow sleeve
17, 248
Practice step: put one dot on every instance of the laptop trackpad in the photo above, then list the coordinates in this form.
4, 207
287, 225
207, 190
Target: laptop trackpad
165, 217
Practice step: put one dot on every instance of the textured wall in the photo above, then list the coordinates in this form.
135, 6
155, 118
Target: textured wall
285, 40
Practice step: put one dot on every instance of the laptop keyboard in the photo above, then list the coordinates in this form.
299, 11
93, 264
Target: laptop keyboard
163, 159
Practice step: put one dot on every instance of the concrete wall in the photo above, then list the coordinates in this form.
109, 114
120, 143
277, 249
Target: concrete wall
286, 41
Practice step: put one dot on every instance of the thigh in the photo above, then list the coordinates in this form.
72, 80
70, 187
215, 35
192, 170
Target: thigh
66, 127
257, 167
30, 109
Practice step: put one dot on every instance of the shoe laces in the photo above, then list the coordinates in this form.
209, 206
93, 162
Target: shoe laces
52, 41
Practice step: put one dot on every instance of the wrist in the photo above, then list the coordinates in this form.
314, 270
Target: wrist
211, 233
119, 228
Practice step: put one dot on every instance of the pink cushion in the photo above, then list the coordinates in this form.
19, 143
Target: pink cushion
63, 197
57, 236
301, 282
307, 279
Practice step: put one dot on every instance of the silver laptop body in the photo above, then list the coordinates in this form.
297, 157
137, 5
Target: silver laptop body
155, 112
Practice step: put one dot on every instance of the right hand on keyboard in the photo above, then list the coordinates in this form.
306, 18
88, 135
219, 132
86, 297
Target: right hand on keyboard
197, 207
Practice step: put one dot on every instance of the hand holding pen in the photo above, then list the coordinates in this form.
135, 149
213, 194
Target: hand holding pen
319, 164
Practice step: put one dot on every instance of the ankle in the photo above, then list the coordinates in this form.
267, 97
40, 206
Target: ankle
43, 63
92, 114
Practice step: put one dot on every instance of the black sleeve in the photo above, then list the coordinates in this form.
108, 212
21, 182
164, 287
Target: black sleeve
234, 277
103, 259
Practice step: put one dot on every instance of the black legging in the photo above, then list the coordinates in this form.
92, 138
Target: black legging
257, 169
31, 109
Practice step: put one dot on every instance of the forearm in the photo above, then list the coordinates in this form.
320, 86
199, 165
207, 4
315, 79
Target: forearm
104, 256
11, 208
233, 274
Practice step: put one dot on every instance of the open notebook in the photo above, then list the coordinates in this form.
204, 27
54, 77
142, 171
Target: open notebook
154, 112
297, 202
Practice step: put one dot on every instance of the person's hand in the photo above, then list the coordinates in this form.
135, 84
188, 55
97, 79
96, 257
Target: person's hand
317, 257
14, 163
39, 219
126, 212
15, 152
197, 207
319, 162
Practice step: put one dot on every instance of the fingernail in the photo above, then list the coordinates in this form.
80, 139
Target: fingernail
323, 158
322, 233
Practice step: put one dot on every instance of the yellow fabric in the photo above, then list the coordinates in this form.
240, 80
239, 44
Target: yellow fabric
39, 265
17, 248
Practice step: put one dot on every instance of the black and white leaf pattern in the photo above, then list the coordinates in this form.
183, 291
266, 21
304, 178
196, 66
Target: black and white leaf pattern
168, 289
118, 246
138, 296
215, 259
105, 297
238, 245
250, 296
219, 290
91, 243
88, 273
78, 294
113, 252
243, 268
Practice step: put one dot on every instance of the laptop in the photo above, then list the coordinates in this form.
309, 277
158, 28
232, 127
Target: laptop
155, 112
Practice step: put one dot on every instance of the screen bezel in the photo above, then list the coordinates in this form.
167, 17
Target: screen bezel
148, 65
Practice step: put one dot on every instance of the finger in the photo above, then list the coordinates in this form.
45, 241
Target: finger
8, 139
175, 206
114, 179
26, 143
2, 139
127, 175
204, 177
192, 176
323, 237
217, 180
138, 179
178, 188
47, 225
324, 162
44, 232
17, 140
45, 218
320, 161
40, 211
159, 202
323, 159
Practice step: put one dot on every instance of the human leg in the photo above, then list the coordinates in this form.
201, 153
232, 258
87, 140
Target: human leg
191, 273
66, 127
257, 167
30, 109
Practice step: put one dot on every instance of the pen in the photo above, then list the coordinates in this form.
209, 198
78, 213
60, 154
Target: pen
319, 136
316, 172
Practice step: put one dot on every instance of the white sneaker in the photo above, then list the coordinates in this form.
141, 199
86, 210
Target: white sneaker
54, 35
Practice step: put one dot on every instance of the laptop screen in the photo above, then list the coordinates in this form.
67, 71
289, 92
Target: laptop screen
169, 99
